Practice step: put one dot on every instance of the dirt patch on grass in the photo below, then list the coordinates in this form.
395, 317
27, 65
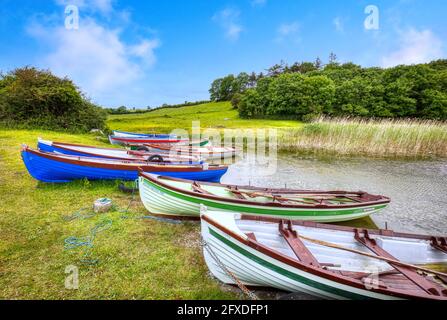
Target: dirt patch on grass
191, 240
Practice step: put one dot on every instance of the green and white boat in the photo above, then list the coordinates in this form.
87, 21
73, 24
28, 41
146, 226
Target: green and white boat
178, 197
323, 260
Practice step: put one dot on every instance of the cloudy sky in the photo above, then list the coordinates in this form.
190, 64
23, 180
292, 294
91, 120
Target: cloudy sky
146, 53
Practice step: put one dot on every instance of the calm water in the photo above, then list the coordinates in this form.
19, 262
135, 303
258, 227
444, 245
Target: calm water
418, 189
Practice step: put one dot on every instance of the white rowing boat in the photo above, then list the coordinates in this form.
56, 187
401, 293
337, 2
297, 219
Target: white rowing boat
323, 260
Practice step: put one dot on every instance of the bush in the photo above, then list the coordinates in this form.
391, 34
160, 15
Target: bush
288, 96
416, 91
36, 98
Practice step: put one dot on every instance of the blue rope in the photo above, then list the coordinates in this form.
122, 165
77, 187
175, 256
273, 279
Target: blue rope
87, 241
173, 221
79, 214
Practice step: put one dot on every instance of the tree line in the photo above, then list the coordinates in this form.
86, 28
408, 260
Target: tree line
125, 110
305, 90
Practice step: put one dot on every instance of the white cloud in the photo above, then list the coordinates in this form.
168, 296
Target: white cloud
94, 56
102, 6
258, 3
338, 23
415, 47
288, 30
228, 20
145, 50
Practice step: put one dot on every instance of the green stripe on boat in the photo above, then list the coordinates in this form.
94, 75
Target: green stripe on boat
286, 273
267, 211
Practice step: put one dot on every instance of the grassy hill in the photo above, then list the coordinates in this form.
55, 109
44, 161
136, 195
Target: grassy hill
218, 115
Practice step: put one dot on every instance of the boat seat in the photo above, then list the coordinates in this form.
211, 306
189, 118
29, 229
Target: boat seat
235, 191
298, 247
439, 243
251, 236
410, 273
196, 187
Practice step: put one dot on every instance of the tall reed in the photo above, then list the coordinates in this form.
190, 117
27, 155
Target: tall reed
384, 138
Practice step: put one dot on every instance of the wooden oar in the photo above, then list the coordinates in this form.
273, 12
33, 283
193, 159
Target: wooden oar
266, 195
392, 261
279, 197
318, 196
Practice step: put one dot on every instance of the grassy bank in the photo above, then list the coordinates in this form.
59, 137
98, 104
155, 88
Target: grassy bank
138, 258
383, 138
344, 137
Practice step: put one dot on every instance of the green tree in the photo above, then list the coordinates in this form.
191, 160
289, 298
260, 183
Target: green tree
36, 98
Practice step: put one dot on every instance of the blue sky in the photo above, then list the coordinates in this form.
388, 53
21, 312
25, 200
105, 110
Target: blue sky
140, 53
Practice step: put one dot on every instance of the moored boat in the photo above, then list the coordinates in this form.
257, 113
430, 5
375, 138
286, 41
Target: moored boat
112, 153
125, 134
179, 197
326, 261
204, 152
143, 140
52, 167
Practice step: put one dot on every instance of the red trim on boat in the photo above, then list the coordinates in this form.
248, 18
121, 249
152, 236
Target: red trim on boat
121, 164
320, 272
381, 200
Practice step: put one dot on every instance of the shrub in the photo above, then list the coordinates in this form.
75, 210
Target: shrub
36, 98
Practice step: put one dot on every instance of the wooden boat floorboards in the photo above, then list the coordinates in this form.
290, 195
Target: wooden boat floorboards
266, 258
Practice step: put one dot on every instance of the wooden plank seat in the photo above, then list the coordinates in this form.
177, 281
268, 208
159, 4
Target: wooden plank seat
298, 247
410, 273
196, 187
235, 191
439, 243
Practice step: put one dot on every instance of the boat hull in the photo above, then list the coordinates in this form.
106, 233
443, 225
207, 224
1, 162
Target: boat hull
317, 259
164, 201
51, 169
142, 140
124, 134
107, 153
254, 268
202, 155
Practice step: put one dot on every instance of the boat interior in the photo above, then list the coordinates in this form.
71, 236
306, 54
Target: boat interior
298, 243
270, 195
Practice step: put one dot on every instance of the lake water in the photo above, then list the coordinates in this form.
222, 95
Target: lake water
418, 189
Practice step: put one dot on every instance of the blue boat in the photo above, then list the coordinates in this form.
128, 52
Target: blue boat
114, 153
58, 168
125, 134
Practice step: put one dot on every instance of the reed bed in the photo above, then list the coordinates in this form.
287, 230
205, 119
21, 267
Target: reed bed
382, 138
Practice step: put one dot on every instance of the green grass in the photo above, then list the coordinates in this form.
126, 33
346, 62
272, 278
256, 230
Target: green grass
337, 137
138, 258
143, 259
218, 115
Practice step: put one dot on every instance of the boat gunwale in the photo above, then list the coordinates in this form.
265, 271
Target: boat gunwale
62, 145
319, 272
248, 202
190, 149
141, 140
143, 134
101, 163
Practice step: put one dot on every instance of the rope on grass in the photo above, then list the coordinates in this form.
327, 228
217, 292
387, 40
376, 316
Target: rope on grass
83, 213
87, 241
